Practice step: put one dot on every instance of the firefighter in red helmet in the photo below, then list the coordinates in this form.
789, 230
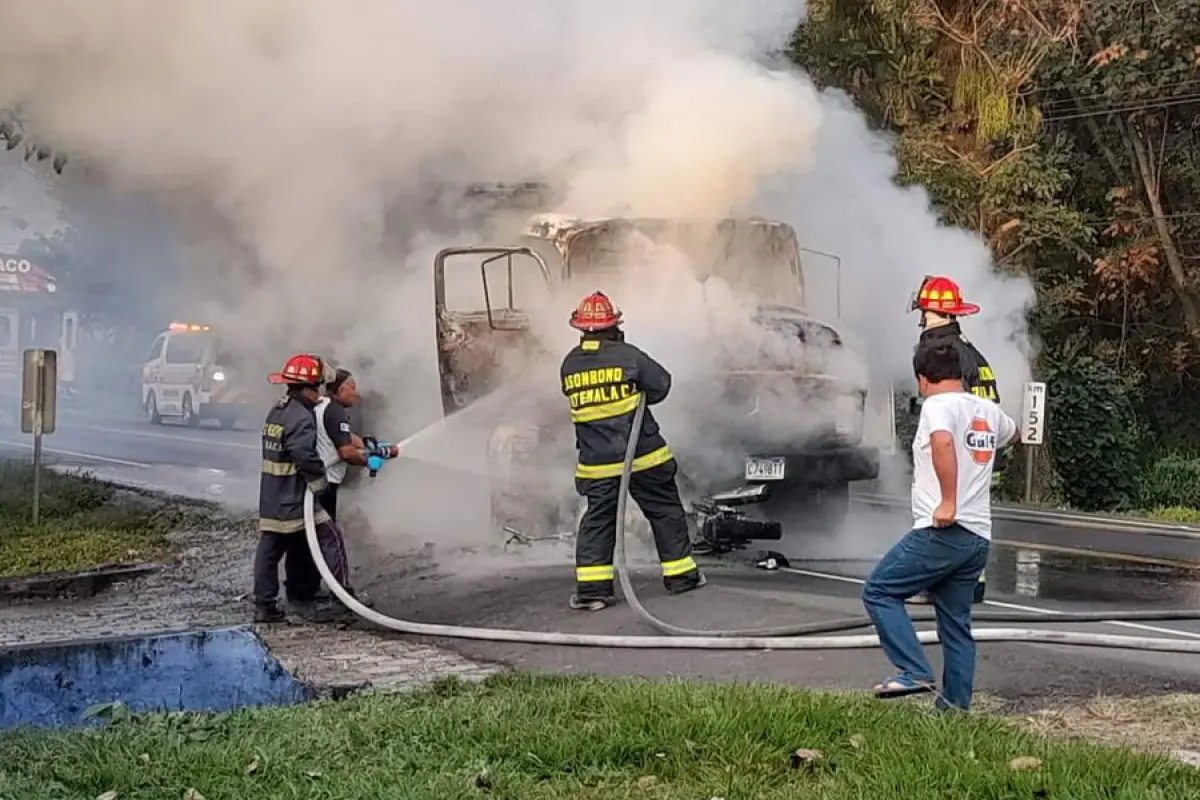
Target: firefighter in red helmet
941, 304
603, 378
291, 465
940, 301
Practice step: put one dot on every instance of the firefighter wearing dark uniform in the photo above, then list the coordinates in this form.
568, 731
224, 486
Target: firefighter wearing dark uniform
291, 466
603, 378
941, 304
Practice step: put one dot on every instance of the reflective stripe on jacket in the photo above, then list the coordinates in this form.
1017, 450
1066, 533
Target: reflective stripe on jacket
603, 380
290, 466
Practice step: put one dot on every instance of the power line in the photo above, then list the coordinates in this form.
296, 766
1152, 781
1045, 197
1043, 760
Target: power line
1126, 108
1072, 101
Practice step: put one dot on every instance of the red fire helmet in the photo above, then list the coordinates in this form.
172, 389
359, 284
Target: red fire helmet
302, 369
942, 296
595, 313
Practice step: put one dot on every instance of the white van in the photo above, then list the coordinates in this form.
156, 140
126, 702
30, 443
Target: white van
186, 376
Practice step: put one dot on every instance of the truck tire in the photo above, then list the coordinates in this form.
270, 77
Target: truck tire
188, 412
512, 463
832, 506
809, 511
151, 408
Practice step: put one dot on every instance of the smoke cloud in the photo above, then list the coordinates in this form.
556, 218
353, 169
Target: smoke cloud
297, 142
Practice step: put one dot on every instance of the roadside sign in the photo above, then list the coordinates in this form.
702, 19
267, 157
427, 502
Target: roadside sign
39, 402
39, 391
1033, 413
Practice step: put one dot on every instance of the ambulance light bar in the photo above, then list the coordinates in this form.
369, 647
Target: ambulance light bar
183, 327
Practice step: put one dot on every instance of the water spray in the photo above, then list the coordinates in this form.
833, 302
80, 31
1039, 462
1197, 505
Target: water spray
724, 640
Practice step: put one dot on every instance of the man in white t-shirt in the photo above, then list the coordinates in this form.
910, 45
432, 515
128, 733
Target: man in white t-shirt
953, 455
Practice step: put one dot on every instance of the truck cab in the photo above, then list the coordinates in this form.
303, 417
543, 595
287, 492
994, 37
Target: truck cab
779, 411
187, 376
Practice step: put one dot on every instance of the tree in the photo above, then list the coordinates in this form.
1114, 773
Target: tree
948, 78
13, 133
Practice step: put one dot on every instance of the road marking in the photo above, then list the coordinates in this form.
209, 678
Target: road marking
1107, 555
1136, 625
72, 454
999, 604
165, 436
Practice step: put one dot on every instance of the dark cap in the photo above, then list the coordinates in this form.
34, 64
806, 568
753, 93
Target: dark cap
339, 377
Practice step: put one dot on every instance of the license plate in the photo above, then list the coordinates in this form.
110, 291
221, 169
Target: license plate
765, 469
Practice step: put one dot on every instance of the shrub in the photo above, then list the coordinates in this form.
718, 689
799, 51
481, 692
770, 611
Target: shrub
1093, 435
1172, 482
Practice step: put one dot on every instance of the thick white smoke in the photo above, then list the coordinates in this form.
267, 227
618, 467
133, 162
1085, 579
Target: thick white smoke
284, 132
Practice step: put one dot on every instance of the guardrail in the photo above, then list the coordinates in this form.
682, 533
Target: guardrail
1066, 519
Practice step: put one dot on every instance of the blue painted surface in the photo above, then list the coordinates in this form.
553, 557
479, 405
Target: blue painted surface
217, 670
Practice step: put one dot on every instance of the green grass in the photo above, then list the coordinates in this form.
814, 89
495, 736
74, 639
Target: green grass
1182, 514
533, 738
85, 523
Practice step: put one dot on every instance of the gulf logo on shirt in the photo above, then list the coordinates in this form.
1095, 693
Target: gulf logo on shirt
980, 441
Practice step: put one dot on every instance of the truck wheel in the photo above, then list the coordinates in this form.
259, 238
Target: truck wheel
810, 510
832, 506
513, 475
189, 414
151, 409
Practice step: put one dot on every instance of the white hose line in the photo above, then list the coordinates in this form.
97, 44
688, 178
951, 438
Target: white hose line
704, 642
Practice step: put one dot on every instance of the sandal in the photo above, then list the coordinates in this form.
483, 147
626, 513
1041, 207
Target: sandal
901, 686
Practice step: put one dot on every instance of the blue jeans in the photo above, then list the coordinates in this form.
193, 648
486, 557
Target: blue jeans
946, 562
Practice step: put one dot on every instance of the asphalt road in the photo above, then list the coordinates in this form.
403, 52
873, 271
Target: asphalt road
124, 445
125, 441
534, 598
1034, 566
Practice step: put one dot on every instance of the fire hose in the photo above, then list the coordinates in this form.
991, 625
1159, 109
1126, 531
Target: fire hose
798, 637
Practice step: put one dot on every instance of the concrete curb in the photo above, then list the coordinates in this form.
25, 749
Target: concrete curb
1066, 519
83, 584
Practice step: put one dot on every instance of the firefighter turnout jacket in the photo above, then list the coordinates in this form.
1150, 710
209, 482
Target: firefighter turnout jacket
603, 380
977, 374
290, 465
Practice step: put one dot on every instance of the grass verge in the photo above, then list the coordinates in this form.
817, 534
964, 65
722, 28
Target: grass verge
537, 738
85, 523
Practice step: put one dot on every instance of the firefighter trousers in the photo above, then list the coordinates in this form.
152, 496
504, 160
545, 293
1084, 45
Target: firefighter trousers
275, 547
656, 494
302, 580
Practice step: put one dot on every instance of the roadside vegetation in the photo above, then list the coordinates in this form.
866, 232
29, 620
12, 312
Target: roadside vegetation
1067, 135
534, 737
85, 523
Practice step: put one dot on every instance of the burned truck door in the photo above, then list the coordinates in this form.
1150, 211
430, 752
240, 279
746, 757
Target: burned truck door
478, 316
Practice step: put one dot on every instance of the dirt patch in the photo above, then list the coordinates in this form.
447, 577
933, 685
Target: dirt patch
1164, 724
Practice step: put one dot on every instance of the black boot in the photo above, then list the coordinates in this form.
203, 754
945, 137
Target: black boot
361, 597
686, 582
578, 603
267, 613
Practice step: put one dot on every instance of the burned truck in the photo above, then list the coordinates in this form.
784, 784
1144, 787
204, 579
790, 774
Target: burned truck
773, 428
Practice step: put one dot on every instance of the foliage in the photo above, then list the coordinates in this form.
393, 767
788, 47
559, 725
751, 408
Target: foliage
1095, 439
85, 523
1173, 481
12, 133
1126, 96
1066, 135
551, 737
1182, 514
